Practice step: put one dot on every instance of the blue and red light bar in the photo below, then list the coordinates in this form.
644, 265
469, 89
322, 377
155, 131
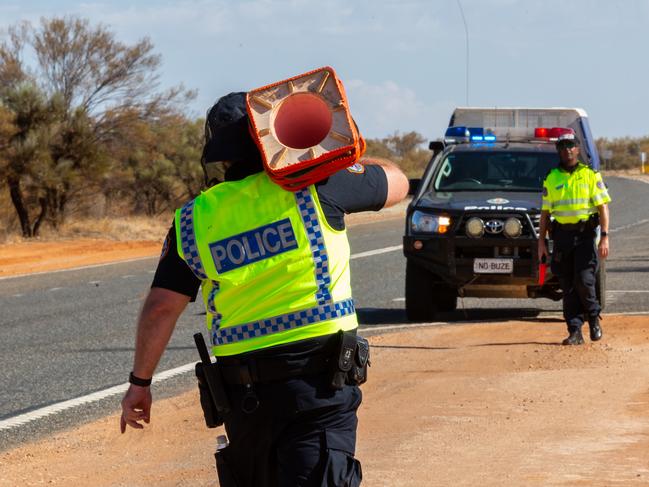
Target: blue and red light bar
551, 133
462, 134
469, 134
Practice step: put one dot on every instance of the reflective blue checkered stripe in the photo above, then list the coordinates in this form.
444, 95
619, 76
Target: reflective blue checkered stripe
211, 305
309, 216
282, 323
188, 241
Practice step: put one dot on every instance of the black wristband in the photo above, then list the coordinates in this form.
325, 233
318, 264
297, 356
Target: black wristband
135, 380
604, 234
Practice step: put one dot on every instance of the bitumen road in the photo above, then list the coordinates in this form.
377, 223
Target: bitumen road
69, 335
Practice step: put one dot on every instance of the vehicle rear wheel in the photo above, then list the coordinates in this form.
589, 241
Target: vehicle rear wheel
426, 295
600, 284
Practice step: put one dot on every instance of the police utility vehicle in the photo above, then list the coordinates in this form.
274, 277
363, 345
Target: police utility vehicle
472, 226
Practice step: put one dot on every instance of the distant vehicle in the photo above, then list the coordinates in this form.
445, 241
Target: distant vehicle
472, 226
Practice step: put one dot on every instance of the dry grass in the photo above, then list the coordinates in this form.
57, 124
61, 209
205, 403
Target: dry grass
122, 229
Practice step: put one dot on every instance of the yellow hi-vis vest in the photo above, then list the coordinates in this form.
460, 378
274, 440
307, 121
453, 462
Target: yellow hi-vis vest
571, 197
273, 271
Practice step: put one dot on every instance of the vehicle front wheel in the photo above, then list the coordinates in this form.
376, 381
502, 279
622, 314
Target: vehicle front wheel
426, 295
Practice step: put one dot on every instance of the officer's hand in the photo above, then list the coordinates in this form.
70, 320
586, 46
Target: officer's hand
603, 247
136, 406
543, 251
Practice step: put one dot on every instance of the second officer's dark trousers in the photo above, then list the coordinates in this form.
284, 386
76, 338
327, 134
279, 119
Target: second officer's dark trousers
575, 262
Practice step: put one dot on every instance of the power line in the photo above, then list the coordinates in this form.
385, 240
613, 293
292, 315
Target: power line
466, 32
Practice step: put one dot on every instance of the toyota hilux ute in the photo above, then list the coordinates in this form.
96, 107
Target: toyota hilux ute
472, 226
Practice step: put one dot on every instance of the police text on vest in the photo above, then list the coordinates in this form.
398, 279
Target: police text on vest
253, 246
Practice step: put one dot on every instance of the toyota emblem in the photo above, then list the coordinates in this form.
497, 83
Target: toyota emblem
494, 226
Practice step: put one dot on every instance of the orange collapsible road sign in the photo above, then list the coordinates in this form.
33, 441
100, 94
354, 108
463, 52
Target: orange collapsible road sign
303, 128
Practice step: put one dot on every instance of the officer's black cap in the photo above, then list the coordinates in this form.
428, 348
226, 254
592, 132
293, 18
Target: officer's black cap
565, 139
229, 153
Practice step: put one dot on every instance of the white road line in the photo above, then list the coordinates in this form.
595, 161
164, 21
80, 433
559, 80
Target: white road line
376, 252
94, 282
630, 225
128, 276
77, 268
355, 256
99, 395
25, 418
54, 289
630, 291
17, 295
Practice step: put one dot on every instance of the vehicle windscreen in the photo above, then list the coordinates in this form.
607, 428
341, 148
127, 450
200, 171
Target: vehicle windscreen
493, 170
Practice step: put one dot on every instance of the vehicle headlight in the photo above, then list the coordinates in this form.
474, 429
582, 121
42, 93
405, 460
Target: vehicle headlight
426, 223
474, 227
513, 228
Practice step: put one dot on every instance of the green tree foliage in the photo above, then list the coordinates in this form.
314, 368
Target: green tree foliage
624, 151
75, 102
26, 158
156, 164
403, 149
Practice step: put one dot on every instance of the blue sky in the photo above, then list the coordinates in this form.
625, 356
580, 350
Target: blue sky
403, 62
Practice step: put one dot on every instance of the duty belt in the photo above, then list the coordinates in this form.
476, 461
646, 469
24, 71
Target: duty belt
580, 226
270, 370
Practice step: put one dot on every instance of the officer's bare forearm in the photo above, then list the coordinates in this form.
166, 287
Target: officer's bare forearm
603, 217
156, 323
544, 223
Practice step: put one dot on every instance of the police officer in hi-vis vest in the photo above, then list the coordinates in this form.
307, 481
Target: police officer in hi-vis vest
577, 199
273, 267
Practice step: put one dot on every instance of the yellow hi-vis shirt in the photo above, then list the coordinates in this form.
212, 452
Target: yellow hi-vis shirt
571, 197
273, 271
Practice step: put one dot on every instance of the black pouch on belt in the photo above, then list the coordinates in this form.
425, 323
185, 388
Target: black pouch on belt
344, 361
210, 412
358, 373
213, 396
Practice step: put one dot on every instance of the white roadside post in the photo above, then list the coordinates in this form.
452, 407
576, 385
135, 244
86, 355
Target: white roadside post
607, 154
643, 159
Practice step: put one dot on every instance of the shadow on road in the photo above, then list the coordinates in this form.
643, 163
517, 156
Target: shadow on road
628, 269
509, 344
381, 316
490, 314
391, 316
538, 319
123, 349
412, 347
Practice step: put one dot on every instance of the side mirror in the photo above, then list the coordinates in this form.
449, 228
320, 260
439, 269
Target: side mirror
436, 146
413, 186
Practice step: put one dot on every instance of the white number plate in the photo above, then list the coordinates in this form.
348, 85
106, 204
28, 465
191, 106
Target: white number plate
493, 266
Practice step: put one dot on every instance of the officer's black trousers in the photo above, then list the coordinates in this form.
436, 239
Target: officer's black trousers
302, 434
575, 262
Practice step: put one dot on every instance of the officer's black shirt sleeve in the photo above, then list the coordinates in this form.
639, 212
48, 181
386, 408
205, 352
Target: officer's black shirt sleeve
352, 190
173, 273
360, 188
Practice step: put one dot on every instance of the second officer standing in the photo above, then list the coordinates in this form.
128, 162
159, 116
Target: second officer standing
576, 197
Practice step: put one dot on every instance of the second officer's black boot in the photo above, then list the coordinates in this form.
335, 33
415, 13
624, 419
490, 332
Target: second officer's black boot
595, 328
574, 338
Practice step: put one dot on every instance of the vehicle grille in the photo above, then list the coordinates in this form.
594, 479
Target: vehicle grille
476, 252
536, 223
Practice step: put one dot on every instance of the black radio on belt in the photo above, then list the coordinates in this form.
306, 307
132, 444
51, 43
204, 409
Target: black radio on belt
352, 361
